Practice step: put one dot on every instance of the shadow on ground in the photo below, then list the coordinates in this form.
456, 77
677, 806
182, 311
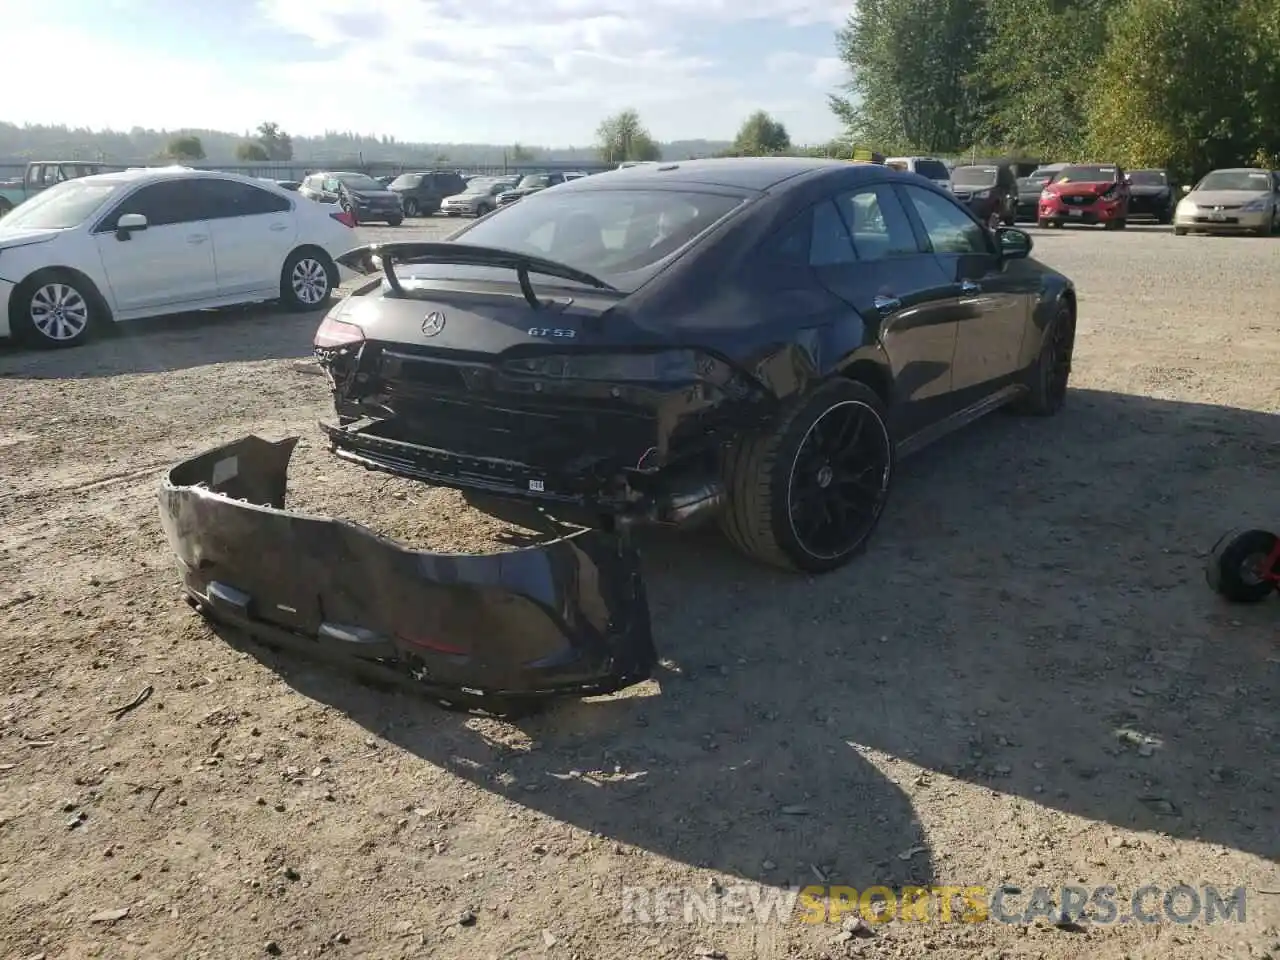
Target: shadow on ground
177, 342
1031, 617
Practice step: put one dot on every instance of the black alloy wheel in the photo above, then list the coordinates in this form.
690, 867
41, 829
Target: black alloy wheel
807, 492
1048, 376
839, 480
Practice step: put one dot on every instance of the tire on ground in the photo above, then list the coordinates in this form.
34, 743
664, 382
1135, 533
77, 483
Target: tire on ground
1225, 567
82, 292
757, 471
291, 297
1044, 398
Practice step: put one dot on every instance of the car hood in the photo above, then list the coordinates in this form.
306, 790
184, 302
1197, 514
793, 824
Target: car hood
1214, 198
1148, 189
465, 197
18, 237
373, 194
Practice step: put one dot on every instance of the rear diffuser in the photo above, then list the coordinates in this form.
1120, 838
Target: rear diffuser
567, 617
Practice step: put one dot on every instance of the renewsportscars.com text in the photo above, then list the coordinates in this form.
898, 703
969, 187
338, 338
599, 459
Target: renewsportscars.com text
752, 903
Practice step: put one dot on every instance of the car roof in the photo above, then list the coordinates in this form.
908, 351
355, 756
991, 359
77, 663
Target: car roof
744, 173
1239, 170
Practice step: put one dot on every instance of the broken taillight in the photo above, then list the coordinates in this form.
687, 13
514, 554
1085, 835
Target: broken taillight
345, 217
337, 333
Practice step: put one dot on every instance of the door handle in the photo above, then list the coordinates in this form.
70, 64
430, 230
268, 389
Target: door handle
279, 226
887, 304
969, 288
196, 239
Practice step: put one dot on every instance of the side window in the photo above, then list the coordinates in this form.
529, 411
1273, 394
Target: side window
163, 204
330, 185
220, 199
829, 244
35, 174
880, 227
950, 229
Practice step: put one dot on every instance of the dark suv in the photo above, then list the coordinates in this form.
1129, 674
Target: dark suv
357, 193
421, 193
990, 190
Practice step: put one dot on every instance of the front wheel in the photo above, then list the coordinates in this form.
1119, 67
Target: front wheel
54, 309
807, 492
395, 221
307, 280
1179, 231
1047, 377
1243, 564
411, 208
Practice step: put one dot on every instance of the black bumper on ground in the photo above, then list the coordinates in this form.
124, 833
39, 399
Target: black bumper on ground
567, 617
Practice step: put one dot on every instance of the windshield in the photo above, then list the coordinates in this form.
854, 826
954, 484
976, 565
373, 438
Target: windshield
1149, 178
535, 180
1042, 176
406, 181
1252, 181
480, 186
620, 236
1087, 175
68, 204
974, 176
933, 169
358, 181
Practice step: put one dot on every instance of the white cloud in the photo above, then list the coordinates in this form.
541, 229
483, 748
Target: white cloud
453, 70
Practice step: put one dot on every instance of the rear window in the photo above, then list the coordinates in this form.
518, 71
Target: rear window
933, 169
617, 235
1089, 174
975, 176
1149, 178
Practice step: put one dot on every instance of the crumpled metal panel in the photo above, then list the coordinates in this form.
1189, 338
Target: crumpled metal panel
569, 616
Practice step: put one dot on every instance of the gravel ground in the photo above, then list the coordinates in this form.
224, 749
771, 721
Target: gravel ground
1024, 681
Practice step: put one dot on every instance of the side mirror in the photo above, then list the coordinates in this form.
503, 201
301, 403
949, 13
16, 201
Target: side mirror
129, 224
1186, 188
1015, 244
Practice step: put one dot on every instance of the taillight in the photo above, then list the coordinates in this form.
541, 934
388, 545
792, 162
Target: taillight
345, 217
337, 333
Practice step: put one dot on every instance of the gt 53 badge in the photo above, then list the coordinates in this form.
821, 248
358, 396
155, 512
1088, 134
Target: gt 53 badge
559, 332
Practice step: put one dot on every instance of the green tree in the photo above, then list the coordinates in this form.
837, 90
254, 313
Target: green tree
623, 137
250, 151
915, 74
761, 135
1174, 87
184, 149
277, 143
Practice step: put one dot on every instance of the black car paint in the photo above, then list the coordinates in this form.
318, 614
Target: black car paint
567, 616
999, 200
519, 193
944, 354
1153, 200
367, 205
430, 191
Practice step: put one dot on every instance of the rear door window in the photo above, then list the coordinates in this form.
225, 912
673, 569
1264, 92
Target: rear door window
933, 169
878, 223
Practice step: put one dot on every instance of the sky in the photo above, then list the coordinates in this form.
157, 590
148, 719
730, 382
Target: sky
446, 71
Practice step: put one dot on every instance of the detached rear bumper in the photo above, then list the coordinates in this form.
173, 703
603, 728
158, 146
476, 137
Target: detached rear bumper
568, 617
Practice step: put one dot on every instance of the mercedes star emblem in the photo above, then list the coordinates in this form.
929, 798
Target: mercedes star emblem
433, 324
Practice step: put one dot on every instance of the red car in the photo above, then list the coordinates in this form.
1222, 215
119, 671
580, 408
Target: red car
1086, 193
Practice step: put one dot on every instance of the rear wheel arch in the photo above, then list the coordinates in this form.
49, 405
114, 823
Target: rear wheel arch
873, 374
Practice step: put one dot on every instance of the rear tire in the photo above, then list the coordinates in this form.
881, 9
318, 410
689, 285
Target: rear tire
1179, 231
1231, 571
307, 280
55, 309
395, 221
1048, 375
411, 208
773, 497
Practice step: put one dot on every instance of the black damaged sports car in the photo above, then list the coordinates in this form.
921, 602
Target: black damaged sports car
754, 338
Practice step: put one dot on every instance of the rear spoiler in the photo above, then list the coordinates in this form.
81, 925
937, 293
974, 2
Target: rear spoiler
362, 260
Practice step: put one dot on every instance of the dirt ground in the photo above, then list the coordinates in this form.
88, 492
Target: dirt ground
1025, 681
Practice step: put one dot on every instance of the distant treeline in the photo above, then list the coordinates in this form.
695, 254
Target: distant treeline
60, 142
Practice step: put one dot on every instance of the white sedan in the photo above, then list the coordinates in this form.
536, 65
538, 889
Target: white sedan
122, 246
